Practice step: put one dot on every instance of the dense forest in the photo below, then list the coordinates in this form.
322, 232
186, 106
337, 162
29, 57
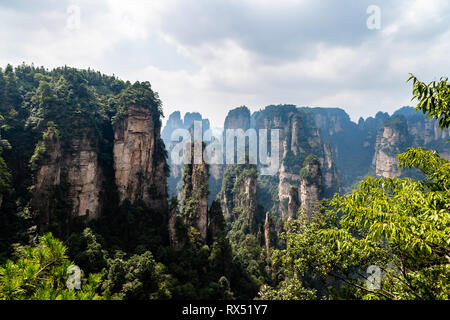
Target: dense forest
86, 211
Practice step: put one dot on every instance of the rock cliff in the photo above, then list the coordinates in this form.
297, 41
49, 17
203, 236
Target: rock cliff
138, 165
175, 122
311, 185
238, 195
299, 137
391, 140
66, 175
194, 206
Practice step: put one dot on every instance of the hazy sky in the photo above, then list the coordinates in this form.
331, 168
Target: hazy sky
213, 55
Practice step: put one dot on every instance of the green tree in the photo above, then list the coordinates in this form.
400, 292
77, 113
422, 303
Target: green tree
41, 272
433, 99
138, 278
402, 226
5, 175
408, 221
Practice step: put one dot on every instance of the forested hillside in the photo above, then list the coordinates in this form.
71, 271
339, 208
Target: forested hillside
84, 175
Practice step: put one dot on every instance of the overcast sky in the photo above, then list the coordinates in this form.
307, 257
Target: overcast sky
213, 55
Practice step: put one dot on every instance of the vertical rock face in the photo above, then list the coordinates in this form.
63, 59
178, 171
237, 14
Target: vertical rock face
293, 205
238, 195
173, 123
269, 231
177, 241
300, 137
216, 224
311, 185
426, 132
195, 194
191, 117
330, 178
85, 178
238, 118
391, 140
287, 180
278, 117
47, 176
194, 207
350, 145
75, 172
404, 129
139, 173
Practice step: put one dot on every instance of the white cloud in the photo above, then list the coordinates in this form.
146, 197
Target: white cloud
209, 56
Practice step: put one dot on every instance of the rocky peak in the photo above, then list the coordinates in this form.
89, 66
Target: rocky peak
140, 169
311, 185
66, 175
176, 239
195, 193
269, 234
216, 224
238, 194
238, 118
174, 122
293, 204
392, 139
299, 137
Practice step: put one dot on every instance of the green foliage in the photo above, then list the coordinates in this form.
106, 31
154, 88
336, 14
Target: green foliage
276, 111
290, 289
40, 273
407, 219
267, 193
400, 225
244, 224
397, 122
306, 172
195, 186
138, 278
140, 94
433, 99
303, 267
311, 160
5, 178
87, 250
51, 134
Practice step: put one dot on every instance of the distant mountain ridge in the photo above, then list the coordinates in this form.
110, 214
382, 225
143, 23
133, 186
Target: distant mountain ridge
349, 151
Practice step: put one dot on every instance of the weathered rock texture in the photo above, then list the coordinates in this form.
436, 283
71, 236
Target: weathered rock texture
175, 122
311, 185
390, 142
299, 137
238, 118
293, 204
195, 194
70, 175
238, 195
177, 240
269, 235
216, 223
139, 170
370, 146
